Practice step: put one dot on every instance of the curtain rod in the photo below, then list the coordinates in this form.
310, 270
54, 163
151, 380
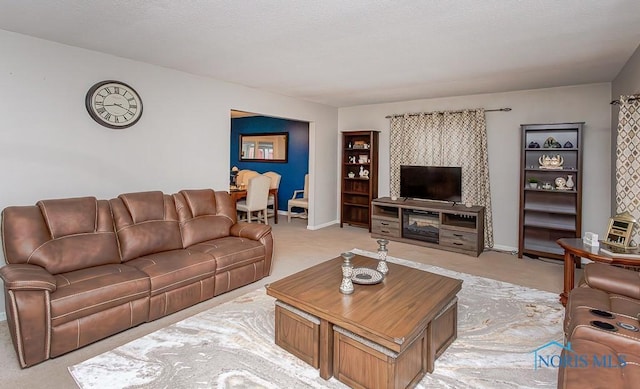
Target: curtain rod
486, 110
635, 97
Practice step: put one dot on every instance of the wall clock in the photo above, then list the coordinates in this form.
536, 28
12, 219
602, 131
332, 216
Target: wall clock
114, 104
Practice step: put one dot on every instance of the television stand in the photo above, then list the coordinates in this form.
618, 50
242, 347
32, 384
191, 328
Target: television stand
445, 226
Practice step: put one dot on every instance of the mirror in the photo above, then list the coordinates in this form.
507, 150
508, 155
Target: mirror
267, 147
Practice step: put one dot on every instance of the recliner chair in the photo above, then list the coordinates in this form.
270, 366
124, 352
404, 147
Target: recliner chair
601, 323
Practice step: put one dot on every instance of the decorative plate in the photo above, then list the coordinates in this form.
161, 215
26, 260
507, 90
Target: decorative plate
561, 183
366, 276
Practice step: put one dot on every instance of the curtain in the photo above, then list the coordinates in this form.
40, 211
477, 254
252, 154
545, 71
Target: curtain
445, 139
628, 160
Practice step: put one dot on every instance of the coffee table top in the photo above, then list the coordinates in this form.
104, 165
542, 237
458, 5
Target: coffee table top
391, 313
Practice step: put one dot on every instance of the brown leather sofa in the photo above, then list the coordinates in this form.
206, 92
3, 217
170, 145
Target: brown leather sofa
81, 269
602, 331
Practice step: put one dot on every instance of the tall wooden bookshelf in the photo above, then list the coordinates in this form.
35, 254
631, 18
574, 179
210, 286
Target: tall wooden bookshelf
359, 156
552, 208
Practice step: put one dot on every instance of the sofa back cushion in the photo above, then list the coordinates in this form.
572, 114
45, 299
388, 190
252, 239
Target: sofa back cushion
146, 223
204, 215
60, 235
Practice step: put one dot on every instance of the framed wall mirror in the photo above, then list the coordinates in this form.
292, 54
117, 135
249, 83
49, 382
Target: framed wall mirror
264, 147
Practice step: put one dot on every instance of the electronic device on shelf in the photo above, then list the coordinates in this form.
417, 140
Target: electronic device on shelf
441, 183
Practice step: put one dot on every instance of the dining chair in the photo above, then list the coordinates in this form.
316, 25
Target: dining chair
256, 201
275, 184
299, 202
240, 176
248, 175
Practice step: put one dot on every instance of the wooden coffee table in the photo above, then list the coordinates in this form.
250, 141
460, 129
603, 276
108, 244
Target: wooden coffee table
386, 335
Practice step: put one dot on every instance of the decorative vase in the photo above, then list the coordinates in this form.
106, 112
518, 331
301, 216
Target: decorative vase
569, 184
382, 254
346, 286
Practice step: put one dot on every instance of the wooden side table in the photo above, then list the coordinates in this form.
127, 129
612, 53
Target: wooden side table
574, 249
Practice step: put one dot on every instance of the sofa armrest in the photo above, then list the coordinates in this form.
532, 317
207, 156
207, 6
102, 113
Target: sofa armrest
261, 233
27, 277
612, 279
253, 231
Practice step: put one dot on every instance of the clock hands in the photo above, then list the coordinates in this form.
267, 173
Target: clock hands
120, 106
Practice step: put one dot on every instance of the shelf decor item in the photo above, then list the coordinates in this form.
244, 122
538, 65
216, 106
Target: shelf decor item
551, 143
570, 184
382, 254
346, 286
620, 230
551, 162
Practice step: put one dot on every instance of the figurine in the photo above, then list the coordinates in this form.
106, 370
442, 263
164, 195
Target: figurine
551, 143
547, 162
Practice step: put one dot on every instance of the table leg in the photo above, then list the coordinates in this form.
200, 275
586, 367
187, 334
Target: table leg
569, 269
275, 208
326, 349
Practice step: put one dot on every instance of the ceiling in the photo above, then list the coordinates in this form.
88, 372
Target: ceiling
345, 53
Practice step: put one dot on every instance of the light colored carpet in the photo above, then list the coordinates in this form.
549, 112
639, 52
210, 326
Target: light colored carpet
231, 345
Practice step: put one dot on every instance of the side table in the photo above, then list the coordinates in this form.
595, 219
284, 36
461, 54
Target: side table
574, 249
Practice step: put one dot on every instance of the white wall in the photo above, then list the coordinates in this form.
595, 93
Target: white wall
51, 148
588, 103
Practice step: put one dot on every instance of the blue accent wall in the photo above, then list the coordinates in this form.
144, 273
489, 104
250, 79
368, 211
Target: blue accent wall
297, 164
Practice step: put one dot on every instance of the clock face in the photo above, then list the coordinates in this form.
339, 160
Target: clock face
114, 104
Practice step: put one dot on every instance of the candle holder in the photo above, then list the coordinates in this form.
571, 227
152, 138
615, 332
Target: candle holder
382, 254
346, 287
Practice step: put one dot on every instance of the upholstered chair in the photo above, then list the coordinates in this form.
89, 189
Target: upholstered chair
257, 198
275, 184
248, 176
240, 177
299, 202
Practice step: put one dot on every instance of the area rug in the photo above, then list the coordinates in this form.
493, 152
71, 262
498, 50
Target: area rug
500, 325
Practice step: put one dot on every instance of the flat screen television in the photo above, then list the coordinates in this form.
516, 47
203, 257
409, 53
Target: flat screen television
442, 183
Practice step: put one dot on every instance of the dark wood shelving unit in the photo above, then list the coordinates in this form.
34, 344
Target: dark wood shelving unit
548, 214
359, 151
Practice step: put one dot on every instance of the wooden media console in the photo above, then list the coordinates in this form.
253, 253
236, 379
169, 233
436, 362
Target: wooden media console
429, 223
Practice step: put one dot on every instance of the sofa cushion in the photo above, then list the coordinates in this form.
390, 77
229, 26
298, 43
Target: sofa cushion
232, 252
204, 215
174, 269
146, 223
61, 235
84, 292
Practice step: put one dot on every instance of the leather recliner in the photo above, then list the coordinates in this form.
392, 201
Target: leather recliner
81, 269
601, 328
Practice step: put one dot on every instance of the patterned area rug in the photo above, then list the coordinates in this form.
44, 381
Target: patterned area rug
232, 346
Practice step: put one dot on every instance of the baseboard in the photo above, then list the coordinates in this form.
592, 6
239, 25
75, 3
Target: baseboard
3, 316
313, 228
506, 249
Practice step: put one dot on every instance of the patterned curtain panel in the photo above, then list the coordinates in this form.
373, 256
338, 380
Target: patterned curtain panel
628, 161
445, 139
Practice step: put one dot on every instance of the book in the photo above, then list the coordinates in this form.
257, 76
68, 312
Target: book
620, 253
